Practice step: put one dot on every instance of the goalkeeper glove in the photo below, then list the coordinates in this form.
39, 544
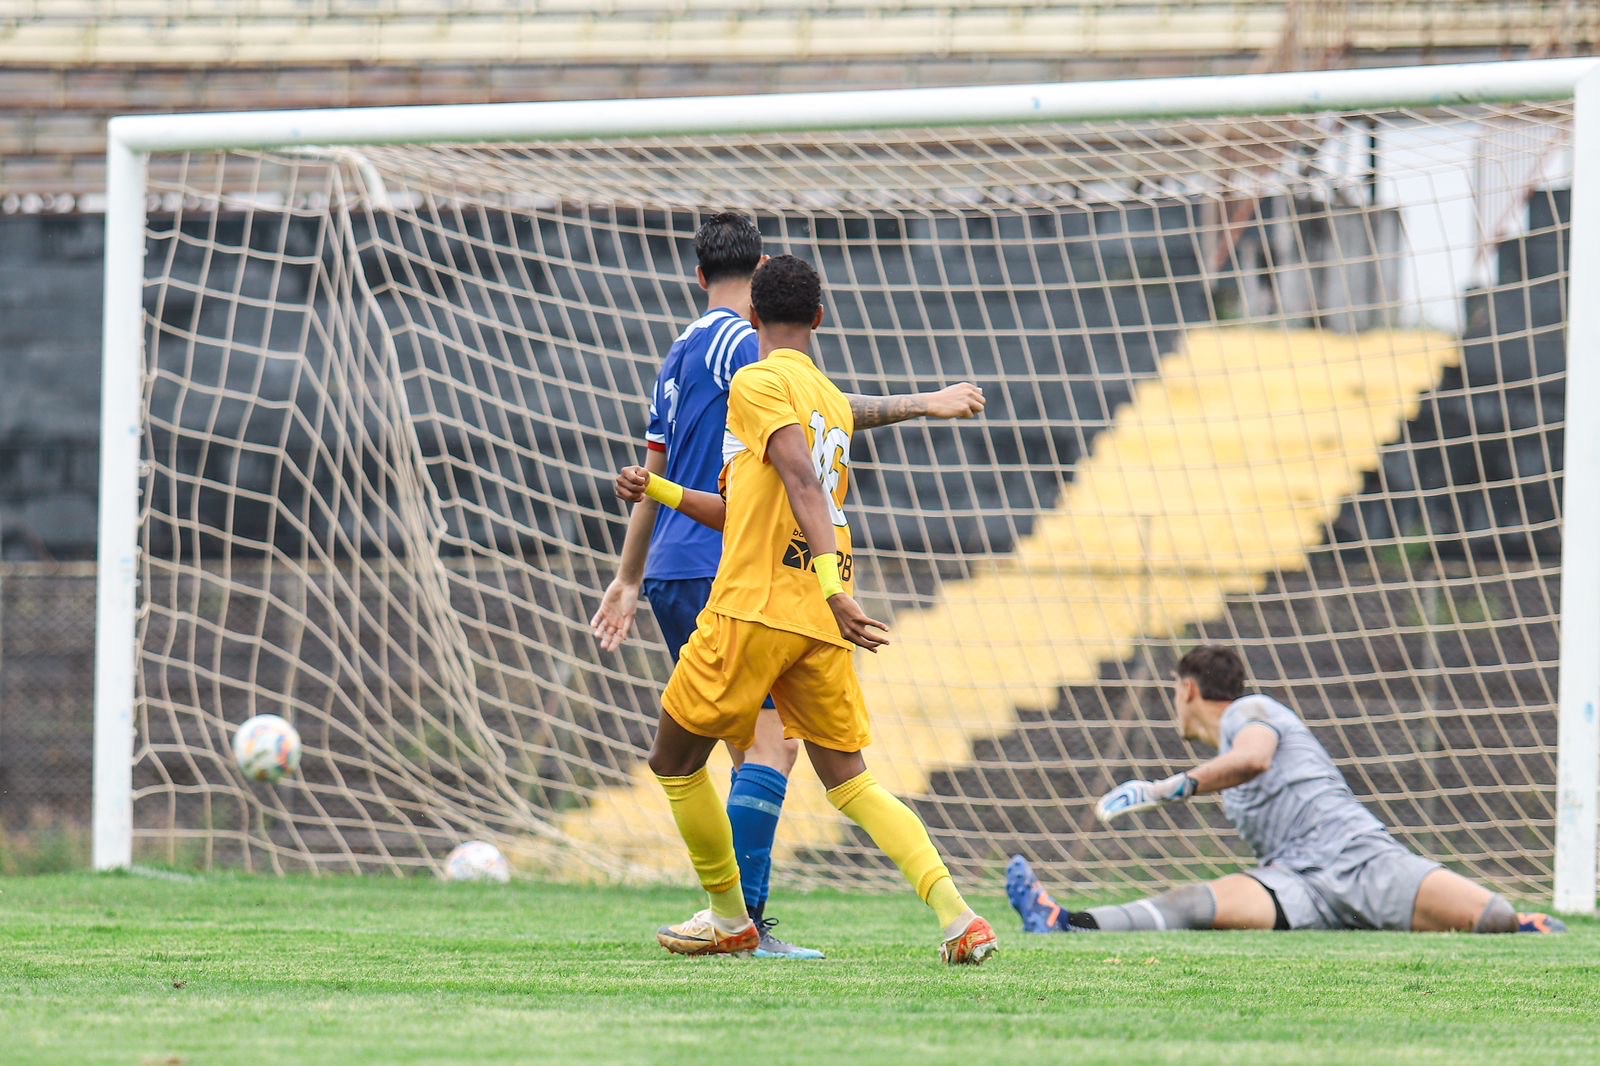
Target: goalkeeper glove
1132, 797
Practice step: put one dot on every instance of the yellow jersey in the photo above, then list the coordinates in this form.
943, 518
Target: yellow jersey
766, 575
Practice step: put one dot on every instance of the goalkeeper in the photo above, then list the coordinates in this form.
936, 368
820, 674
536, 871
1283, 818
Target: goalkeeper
1325, 861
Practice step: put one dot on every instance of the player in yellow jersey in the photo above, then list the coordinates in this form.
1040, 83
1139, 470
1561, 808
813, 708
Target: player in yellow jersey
781, 620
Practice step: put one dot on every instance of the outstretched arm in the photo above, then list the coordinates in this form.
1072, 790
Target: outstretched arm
1249, 758
958, 401
790, 456
613, 621
640, 486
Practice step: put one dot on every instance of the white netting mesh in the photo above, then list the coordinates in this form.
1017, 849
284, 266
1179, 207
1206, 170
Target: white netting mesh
1293, 383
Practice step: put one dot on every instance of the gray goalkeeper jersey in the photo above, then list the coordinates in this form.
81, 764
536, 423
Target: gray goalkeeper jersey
1300, 813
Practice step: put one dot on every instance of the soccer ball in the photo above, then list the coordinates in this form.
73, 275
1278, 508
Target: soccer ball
477, 860
266, 747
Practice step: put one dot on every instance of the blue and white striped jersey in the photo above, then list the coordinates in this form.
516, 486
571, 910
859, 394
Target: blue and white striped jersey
688, 416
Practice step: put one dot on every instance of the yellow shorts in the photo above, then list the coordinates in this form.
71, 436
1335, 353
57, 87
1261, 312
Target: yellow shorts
729, 666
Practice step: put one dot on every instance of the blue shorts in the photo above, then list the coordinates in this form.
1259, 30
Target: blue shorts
677, 605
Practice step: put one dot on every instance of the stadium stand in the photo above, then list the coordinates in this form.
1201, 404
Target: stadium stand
1031, 700
65, 65
1454, 691
1325, 402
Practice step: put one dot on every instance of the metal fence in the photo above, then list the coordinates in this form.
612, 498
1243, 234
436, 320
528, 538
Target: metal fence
46, 697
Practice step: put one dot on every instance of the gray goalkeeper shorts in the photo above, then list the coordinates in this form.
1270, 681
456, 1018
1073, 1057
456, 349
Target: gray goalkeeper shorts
1372, 884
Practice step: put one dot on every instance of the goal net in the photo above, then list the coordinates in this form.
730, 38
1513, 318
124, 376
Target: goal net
1292, 383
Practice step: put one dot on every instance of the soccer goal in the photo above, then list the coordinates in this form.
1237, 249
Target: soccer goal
1279, 361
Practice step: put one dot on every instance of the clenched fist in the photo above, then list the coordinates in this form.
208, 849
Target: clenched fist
631, 482
958, 401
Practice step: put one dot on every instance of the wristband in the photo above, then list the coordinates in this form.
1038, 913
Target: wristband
827, 568
1176, 788
667, 493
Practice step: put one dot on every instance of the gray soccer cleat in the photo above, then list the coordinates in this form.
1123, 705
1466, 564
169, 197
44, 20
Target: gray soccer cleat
773, 948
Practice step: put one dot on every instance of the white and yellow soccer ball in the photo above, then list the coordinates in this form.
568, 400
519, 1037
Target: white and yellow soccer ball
477, 860
266, 747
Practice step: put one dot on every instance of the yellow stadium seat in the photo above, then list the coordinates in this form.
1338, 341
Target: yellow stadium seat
1226, 467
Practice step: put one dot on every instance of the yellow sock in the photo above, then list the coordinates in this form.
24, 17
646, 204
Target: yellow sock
947, 903
897, 830
703, 824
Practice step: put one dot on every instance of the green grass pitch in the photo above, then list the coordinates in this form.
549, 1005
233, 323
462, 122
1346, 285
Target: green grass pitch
130, 970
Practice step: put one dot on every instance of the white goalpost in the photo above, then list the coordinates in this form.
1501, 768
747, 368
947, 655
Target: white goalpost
1282, 361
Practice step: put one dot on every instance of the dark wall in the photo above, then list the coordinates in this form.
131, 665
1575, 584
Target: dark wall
1474, 474
1105, 300
1456, 496
49, 384
1057, 313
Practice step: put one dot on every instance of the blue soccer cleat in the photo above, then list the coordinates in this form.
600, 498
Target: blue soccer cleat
1540, 923
1040, 913
773, 948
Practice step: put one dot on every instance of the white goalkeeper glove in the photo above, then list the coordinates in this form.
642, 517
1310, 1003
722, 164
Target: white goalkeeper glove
1133, 797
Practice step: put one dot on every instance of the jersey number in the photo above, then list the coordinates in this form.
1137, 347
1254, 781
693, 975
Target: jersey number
830, 455
670, 388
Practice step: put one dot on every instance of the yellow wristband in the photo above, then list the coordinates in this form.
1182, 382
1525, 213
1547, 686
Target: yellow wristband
827, 568
668, 493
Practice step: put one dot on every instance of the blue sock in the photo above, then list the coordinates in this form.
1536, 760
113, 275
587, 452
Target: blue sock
753, 807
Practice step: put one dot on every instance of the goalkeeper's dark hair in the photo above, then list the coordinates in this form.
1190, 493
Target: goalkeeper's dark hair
1218, 671
786, 292
728, 246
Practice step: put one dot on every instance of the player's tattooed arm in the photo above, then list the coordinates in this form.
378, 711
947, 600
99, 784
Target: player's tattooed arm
958, 401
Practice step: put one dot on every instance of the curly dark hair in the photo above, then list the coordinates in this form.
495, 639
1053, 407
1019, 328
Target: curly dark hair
1218, 671
728, 245
786, 292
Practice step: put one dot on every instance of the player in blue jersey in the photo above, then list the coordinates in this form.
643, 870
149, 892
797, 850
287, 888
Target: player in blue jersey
670, 559
1325, 861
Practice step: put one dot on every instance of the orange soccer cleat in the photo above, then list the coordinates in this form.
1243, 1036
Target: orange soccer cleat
700, 936
1540, 923
974, 945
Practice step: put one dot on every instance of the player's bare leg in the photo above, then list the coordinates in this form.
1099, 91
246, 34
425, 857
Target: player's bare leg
678, 758
1242, 903
900, 834
770, 748
1448, 902
677, 752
